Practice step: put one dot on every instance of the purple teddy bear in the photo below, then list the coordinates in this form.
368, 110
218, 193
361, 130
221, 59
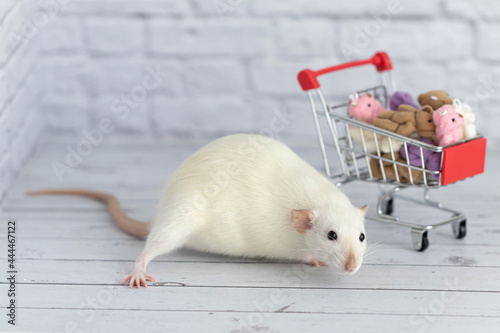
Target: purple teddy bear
401, 97
432, 159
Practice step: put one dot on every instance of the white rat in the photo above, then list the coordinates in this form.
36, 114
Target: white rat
251, 196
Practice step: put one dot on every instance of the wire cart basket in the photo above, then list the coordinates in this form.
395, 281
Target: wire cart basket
372, 154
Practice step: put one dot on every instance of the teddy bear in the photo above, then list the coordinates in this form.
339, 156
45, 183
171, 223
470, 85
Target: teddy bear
448, 125
364, 107
401, 97
435, 99
407, 121
432, 159
357, 134
468, 129
390, 173
403, 122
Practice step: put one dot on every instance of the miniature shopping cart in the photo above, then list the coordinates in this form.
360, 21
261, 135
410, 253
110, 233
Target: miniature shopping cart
456, 162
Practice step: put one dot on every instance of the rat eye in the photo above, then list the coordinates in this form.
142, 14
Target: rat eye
361, 237
369, 105
332, 235
430, 120
453, 119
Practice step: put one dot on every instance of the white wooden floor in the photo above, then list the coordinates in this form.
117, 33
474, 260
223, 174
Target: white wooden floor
71, 258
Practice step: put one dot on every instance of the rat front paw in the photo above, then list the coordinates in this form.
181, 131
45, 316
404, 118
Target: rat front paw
316, 263
137, 278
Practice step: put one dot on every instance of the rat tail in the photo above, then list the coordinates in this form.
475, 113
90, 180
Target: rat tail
129, 225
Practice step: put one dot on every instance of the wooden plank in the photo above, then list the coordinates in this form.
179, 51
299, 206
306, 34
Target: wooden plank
333, 301
98, 225
98, 214
265, 275
147, 199
118, 181
129, 249
133, 196
179, 321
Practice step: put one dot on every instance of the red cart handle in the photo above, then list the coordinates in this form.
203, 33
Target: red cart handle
308, 78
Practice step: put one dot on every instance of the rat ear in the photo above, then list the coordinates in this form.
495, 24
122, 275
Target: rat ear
302, 219
364, 209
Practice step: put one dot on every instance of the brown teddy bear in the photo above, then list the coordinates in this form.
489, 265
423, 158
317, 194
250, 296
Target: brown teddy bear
435, 99
403, 172
408, 120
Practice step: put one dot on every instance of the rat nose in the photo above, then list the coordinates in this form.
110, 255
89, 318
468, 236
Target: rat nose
349, 267
351, 262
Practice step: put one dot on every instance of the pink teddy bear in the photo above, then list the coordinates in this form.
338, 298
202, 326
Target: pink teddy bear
448, 125
364, 108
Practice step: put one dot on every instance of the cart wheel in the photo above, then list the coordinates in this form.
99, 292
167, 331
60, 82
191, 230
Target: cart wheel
425, 242
388, 207
460, 229
420, 240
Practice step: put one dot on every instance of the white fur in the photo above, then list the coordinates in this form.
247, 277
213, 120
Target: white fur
468, 129
235, 196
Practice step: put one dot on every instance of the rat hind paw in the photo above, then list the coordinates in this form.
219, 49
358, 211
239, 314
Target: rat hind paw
137, 278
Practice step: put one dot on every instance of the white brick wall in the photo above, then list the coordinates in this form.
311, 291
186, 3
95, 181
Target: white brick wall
487, 46
62, 36
230, 63
120, 36
21, 89
431, 41
484, 9
209, 37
